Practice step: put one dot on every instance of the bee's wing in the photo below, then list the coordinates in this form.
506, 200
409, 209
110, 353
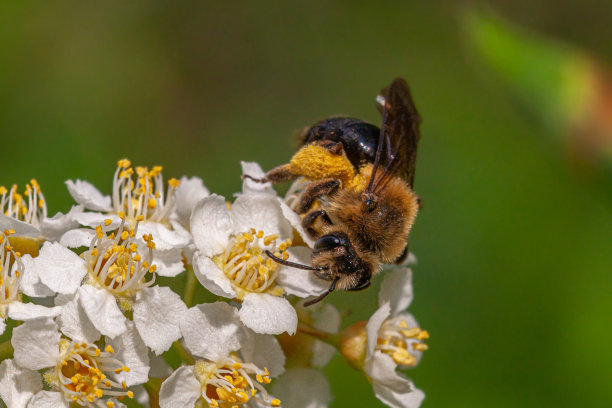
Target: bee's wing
399, 135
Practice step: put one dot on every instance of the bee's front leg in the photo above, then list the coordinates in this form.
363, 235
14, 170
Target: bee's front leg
316, 189
311, 218
276, 175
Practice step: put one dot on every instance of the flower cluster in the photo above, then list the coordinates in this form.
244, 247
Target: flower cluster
88, 301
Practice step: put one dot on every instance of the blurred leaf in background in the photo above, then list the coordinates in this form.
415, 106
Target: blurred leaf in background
566, 88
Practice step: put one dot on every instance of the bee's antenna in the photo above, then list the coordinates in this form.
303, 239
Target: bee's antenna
292, 264
323, 295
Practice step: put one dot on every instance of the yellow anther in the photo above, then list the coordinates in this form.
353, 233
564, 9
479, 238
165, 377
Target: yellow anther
423, 335
74, 379
151, 203
121, 215
110, 404
98, 352
275, 402
108, 222
140, 218
109, 349
126, 369
125, 235
259, 378
124, 163
130, 394
99, 393
237, 366
99, 232
41, 203
419, 346
174, 183
214, 403
259, 234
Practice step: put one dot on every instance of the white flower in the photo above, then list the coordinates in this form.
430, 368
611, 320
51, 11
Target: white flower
232, 361
303, 387
79, 371
394, 338
27, 215
17, 384
11, 273
113, 276
138, 196
231, 262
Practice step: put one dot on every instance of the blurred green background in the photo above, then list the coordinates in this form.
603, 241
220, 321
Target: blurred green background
514, 274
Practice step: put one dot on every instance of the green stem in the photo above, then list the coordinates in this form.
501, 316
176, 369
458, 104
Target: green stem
190, 286
6, 350
331, 339
152, 387
183, 353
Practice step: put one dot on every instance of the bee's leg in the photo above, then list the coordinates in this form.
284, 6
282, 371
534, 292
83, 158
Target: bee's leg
311, 218
276, 175
316, 189
333, 147
400, 260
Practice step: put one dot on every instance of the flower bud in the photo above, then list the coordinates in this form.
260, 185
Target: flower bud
353, 344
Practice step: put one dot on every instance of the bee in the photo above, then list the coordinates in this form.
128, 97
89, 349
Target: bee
359, 205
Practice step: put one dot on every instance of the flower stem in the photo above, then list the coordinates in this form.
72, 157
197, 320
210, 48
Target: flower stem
331, 339
183, 353
6, 350
152, 387
190, 286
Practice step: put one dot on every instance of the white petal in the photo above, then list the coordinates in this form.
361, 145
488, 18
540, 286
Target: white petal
263, 350
180, 390
28, 311
36, 344
156, 314
268, 314
79, 237
93, 219
211, 277
2, 326
211, 330
327, 319
169, 263
389, 386
60, 269
189, 192
17, 385
53, 228
164, 238
300, 282
101, 308
73, 321
48, 399
262, 212
303, 388
89, 196
30, 283
373, 326
211, 225
249, 186
132, 352
22, 229
396, 288
296, 222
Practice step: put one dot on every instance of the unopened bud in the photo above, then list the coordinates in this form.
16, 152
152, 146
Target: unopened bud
353, 344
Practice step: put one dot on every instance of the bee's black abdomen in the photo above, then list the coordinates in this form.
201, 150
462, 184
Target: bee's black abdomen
359, 138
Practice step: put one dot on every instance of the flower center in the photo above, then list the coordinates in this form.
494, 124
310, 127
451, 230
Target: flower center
228, 383
400, 341
115, 262
145, 197
81, 374
29, 207
11, 271
248, 267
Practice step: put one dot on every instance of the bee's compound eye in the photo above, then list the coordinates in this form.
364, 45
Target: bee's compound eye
327, 242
